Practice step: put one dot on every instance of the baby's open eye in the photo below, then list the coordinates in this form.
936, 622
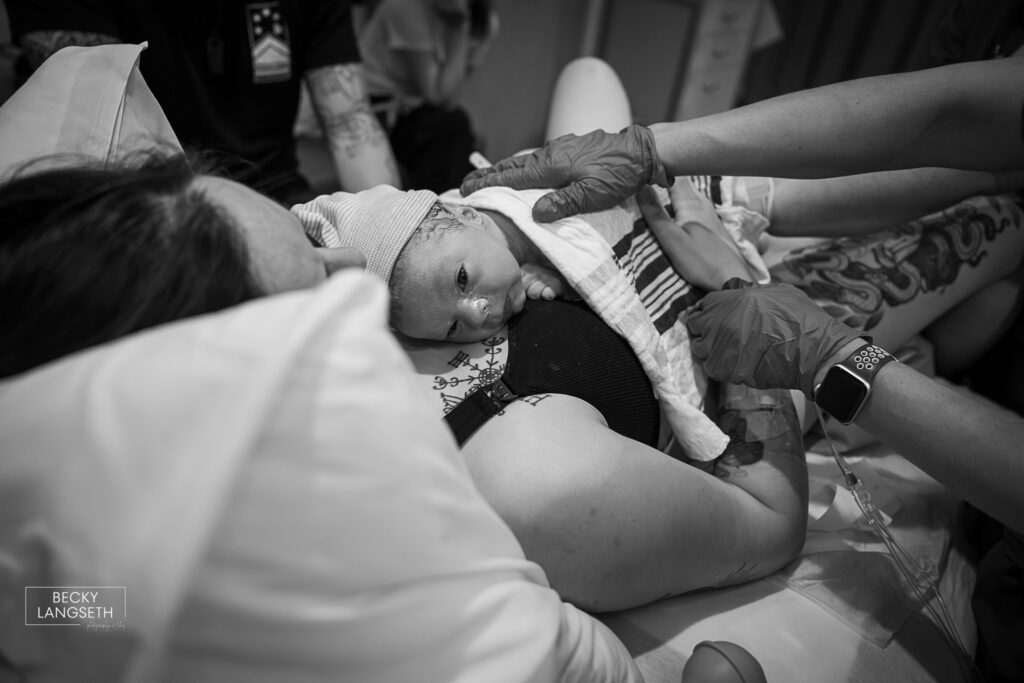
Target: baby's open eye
453, 328
462, 278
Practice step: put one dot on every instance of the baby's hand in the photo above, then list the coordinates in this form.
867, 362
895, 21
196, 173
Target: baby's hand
695, 243
543, 283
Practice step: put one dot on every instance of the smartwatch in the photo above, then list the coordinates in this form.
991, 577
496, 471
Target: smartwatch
847, 385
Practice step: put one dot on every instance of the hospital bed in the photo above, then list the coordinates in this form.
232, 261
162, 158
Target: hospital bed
836, 613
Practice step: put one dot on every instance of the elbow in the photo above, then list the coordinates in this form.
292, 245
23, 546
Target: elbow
787, 544
794, 539
781, 542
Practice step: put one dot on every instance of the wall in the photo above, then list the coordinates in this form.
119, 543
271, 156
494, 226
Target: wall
836, 40
508, 96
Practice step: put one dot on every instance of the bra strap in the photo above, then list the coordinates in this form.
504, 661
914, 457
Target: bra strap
480, 406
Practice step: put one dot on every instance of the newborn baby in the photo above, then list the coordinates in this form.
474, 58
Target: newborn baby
456, 273
463, 273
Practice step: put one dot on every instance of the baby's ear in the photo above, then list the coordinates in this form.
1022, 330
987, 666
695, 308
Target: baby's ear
466, 214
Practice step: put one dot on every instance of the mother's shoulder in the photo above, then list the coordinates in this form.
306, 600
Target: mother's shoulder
450, 372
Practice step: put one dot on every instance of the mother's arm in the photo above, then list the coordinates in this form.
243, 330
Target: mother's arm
615, 523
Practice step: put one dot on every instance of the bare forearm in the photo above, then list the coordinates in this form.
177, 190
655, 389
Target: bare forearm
361, 152
961, 116
975, 449
359, 147
868, 202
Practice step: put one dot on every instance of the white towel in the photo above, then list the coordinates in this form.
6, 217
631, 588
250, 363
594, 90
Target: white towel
618, 267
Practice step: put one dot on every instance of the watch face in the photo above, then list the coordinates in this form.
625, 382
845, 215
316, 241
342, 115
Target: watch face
841, 394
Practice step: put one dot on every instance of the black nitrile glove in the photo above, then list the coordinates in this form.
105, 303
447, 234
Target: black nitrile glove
767, 337
594, 172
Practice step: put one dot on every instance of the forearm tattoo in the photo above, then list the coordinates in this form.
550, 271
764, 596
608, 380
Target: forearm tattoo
760, 424
741, 450
856, 279
339, 95
39, 45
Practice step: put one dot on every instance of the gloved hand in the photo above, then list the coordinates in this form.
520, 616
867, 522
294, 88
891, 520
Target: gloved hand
596, 171
768, 337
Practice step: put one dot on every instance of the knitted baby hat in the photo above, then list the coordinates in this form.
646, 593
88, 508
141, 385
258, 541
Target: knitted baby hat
378, 222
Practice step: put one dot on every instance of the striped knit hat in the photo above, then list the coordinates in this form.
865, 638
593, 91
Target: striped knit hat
378, 222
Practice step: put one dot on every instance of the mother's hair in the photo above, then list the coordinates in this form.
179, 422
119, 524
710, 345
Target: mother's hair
89, 254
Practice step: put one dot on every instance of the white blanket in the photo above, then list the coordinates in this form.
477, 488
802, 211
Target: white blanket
617, 266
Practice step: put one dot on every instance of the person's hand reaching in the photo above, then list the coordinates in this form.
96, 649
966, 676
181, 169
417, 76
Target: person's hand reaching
695, 242
544, 283
591, 172
767, 337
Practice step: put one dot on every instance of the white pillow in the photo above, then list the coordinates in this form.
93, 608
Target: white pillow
280, 501
89, 102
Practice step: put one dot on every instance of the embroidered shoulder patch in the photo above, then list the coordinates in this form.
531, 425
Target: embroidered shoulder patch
269, 43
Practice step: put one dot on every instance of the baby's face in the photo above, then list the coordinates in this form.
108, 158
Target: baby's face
461, 285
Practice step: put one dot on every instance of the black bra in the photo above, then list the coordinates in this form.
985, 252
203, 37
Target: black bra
562, 347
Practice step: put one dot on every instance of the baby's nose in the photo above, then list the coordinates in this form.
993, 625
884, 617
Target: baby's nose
475, 310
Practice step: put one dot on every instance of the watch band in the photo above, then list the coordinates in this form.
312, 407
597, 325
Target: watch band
847, 385
868, 360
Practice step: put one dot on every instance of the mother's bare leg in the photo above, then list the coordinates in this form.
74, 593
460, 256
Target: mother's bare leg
896, 283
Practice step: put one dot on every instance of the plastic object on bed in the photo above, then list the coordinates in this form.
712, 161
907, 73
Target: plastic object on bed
722, 662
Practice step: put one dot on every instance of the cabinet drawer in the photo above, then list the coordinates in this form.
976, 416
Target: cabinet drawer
724, 15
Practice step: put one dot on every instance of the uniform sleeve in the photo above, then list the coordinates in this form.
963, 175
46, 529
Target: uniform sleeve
331, 34
93, 16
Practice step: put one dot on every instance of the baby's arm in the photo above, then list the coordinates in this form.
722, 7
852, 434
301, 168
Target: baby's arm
698, 247
546, 283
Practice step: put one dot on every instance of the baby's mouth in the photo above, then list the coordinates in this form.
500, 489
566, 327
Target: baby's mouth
507, 312
513, 305
515, 302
